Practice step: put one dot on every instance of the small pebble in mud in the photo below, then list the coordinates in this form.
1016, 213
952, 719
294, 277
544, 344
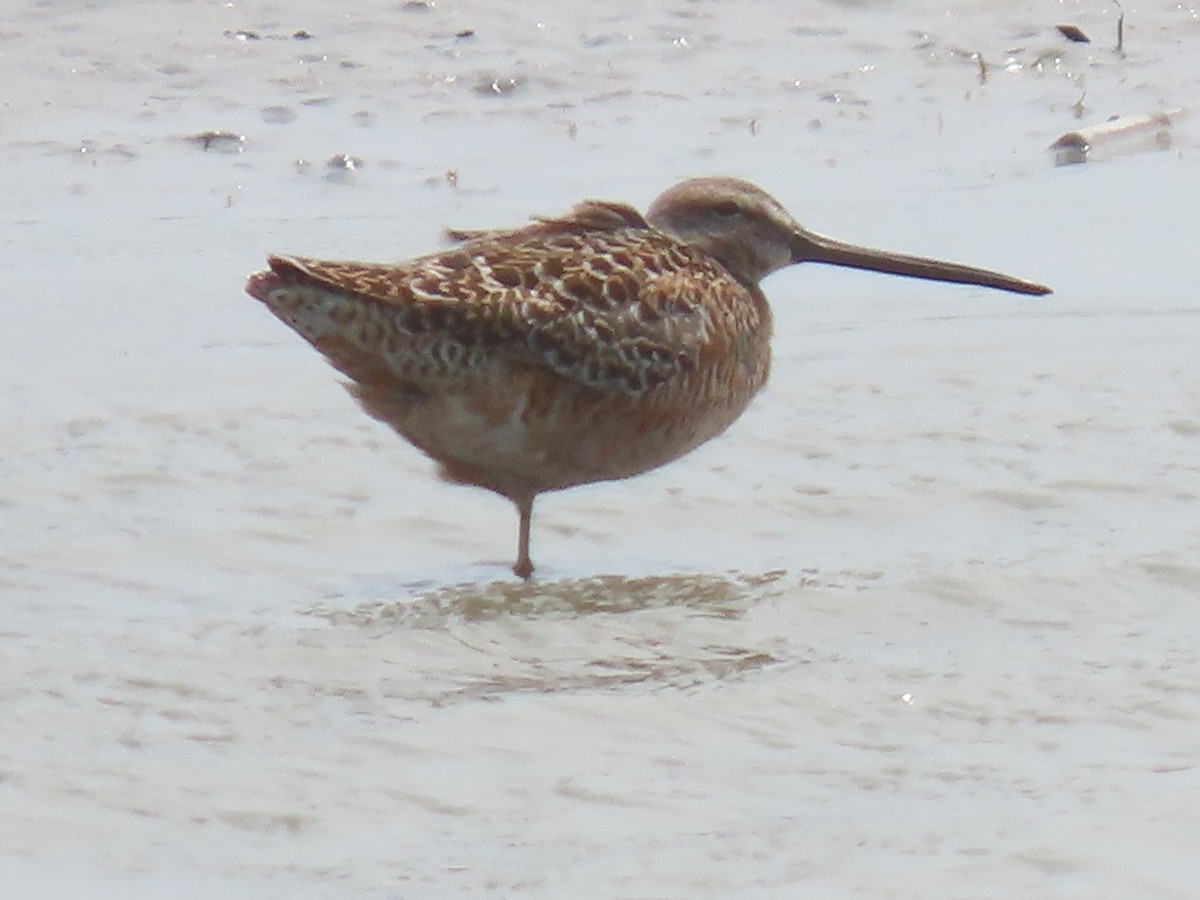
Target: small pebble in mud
1072, 33
217, 141
277, 115
342, 167
344, 161
499, 86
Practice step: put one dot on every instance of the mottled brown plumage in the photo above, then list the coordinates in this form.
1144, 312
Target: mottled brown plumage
585, 348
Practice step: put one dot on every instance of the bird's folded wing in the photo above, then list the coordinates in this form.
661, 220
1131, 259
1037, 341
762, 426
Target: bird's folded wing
622, 313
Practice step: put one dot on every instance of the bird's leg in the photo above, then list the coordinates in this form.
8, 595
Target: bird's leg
523, 567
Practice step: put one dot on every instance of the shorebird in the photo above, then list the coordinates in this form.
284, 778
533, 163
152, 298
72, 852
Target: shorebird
589, 347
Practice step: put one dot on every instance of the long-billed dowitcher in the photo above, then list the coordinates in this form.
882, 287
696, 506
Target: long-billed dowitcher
589, 347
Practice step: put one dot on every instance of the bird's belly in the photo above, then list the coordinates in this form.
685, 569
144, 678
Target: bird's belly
523, 431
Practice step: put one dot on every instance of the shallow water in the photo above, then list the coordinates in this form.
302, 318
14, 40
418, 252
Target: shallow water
921, 624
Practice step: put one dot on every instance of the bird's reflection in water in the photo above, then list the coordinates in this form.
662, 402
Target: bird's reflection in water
581, 634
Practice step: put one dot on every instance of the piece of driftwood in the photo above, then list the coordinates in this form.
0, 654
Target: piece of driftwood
1124, 134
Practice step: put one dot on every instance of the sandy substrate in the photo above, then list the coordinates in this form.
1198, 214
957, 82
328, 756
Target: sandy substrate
923, 623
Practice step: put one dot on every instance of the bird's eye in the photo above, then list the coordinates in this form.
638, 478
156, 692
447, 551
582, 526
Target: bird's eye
726, 209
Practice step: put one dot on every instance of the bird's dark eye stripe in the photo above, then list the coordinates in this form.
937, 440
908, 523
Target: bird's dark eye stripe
726, 208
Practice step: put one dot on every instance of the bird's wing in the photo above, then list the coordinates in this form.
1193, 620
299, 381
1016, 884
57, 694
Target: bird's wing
596, 296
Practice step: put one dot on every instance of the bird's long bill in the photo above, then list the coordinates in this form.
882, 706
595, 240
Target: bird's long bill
808, 246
